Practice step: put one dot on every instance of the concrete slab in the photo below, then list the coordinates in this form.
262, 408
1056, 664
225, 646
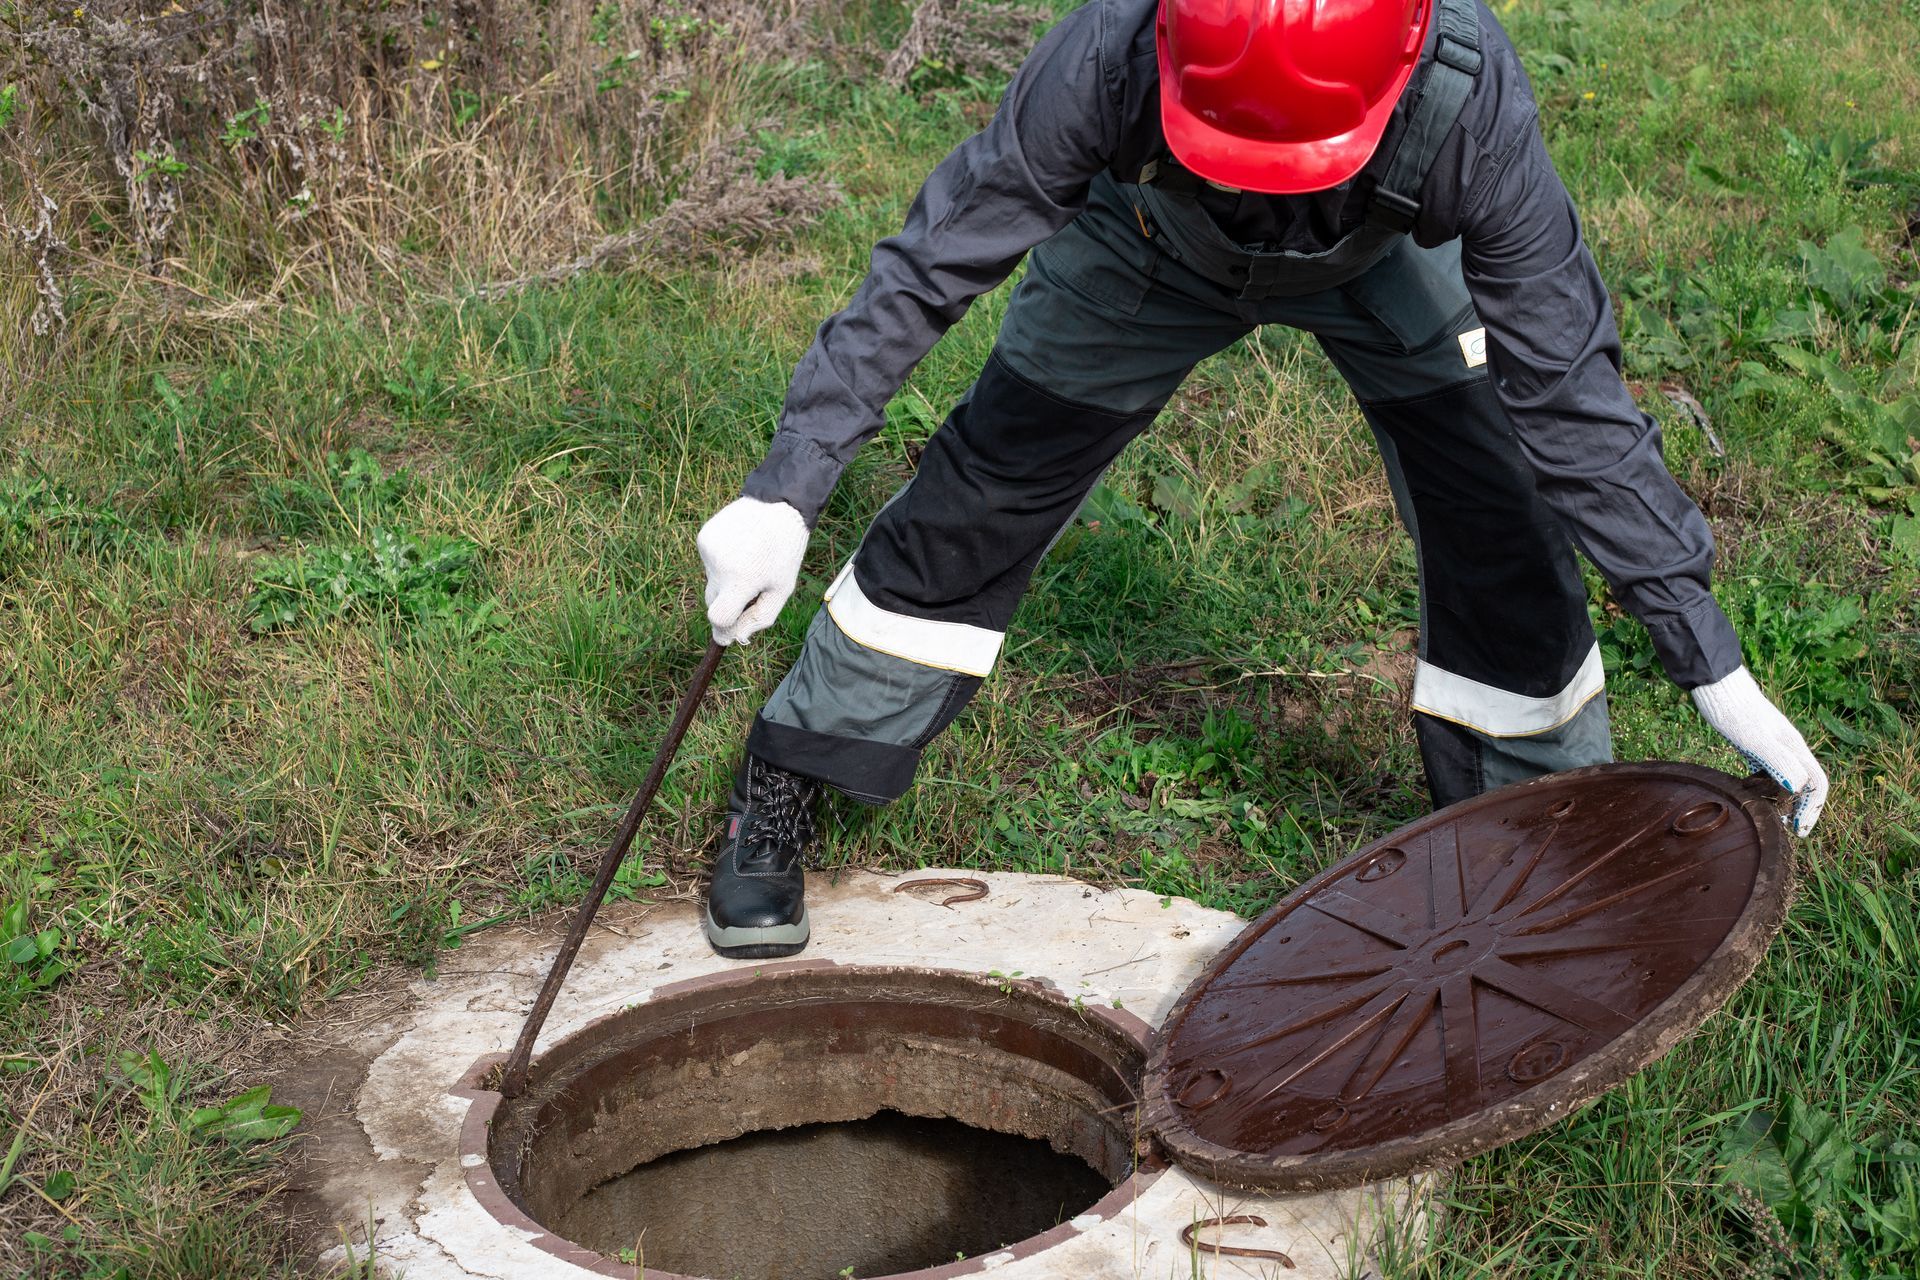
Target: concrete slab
392, 1157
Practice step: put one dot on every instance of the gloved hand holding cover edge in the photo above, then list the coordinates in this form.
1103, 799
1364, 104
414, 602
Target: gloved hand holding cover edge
1741, 713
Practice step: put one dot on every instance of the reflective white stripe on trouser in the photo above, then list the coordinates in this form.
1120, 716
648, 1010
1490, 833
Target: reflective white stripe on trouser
1500, 714
950, 646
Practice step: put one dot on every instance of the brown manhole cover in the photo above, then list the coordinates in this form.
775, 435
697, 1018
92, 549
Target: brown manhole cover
1470, 978
810, 1123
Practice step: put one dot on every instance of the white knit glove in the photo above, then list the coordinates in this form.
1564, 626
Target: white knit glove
752, 552
1741, 713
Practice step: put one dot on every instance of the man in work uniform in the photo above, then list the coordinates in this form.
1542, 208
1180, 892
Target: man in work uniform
1369, 171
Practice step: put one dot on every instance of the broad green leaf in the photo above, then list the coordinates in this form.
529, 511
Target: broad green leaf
261, 1125
1175, 495
1749, 1157
1109, 507
169, 396
1840, 729
250, 1101
1715, 180
1844, 271
1808, 362
1904, 533
151, 1075
1248, 487
1892, 434
1897, 1219
1820, 1154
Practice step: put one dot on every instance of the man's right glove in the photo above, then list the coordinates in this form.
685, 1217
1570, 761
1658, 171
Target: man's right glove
752, 552
1735, 706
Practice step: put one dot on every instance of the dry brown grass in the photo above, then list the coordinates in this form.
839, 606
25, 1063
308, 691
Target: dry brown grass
179, 168
955, 40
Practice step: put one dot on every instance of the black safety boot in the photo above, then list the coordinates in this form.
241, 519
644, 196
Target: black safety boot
756, 905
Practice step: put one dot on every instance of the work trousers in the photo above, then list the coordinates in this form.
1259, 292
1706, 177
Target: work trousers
1100, 332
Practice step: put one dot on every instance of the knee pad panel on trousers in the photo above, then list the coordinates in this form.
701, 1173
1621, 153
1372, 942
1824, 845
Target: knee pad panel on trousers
1503, 601
996, 483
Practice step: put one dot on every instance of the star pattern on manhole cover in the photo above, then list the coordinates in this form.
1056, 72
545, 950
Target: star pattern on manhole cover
1460, 963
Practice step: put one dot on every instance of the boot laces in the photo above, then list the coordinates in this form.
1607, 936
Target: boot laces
782, 806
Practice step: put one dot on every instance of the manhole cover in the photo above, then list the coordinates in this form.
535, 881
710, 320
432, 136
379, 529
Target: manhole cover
1470, 978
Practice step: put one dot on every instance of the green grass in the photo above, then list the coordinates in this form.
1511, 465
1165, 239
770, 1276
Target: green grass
260, 737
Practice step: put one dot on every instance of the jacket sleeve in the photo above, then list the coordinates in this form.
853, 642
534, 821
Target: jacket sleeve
1554, 354
998, 194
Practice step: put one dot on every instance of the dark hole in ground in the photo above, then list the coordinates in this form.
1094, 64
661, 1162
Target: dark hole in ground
884, 1194
788, 1125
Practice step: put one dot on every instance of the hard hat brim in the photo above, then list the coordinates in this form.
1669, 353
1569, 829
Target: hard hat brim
1269, 167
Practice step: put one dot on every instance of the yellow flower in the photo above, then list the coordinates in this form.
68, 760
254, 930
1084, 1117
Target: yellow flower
430, 64
1588, 95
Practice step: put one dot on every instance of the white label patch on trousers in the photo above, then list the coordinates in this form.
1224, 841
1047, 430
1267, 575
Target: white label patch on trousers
1473, 347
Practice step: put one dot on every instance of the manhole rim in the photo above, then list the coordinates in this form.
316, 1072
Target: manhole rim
485, 1103
1716, 979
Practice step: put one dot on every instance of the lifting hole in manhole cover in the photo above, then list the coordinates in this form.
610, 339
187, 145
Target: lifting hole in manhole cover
1384, 864
923, 1117
1701, 819
1535, 1062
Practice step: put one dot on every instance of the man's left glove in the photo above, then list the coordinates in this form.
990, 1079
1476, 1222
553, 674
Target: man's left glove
1735, 706
752, 552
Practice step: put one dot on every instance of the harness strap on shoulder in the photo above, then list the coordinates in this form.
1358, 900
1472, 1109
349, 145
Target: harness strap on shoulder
1444, 90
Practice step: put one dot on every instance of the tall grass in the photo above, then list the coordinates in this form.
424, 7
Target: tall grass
221, 163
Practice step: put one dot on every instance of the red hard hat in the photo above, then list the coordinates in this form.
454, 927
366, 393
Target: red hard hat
1283, 96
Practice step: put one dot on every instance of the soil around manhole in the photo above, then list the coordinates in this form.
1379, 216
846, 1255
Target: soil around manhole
877, 1196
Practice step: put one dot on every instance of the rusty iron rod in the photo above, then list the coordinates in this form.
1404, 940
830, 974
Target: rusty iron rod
976, 889
513, 1078
1190, 1236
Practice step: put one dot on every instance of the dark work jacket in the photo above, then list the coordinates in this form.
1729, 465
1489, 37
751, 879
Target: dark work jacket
1088, 99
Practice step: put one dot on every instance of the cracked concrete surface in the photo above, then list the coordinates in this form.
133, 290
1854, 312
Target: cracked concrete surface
386, 1149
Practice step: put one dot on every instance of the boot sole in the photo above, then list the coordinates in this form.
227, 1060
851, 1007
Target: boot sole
765, 943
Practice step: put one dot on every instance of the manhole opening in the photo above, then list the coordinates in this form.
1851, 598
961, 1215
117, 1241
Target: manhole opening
792, 1125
